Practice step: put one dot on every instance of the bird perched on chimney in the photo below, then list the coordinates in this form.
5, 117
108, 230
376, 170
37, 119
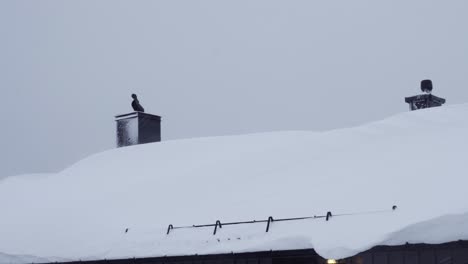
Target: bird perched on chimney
136, 104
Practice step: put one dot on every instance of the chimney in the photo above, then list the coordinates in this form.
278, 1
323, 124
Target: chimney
137, 128
425, 100
426, 86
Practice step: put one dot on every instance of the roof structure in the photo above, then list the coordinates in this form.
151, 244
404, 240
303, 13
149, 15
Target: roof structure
119, 203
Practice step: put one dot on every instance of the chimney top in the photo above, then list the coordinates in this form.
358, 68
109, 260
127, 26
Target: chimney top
425, 100
426, 86
137, 128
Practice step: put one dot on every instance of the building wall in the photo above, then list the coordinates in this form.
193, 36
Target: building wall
307, 256
447, 253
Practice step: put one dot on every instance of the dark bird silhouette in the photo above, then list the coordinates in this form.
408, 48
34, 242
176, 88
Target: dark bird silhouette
136, 104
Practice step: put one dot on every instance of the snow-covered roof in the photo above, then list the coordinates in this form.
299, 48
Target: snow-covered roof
415, 160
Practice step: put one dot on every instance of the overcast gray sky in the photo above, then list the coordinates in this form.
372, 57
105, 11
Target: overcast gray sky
214, 68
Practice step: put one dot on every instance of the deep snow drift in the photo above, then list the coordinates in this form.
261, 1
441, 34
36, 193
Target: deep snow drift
415, 160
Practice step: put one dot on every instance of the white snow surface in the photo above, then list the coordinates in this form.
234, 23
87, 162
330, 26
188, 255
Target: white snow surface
415, 160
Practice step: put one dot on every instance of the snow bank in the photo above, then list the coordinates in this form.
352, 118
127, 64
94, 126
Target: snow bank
6, 258
414, 160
